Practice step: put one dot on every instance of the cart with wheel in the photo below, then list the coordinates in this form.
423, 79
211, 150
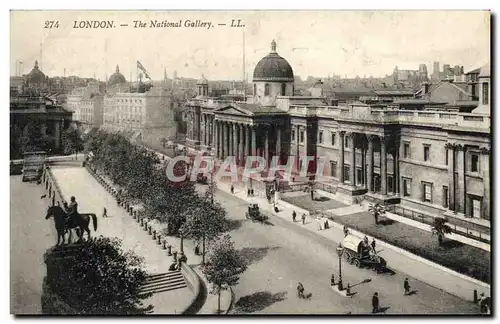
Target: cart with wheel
360, 254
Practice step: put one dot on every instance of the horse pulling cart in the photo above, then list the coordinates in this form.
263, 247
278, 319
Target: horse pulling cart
254, 213
359, 253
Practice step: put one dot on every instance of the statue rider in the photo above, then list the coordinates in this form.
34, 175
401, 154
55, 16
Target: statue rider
72, 209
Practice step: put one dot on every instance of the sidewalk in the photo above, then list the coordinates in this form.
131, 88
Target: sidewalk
156, 258
396, 258
92, 198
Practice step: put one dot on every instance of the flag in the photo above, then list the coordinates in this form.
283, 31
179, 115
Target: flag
143, 69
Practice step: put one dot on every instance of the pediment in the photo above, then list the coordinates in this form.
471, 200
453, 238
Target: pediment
233, 110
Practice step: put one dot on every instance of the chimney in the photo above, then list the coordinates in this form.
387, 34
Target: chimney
425, 88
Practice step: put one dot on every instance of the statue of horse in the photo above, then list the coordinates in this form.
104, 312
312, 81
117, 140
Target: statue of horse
79, 221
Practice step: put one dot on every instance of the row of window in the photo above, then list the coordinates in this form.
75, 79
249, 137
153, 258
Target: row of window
472, 157
131, 100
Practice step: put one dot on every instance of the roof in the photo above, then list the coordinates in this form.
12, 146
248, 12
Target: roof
273, 68
394, 92
116, 77
248, 109
418, 101
485, 71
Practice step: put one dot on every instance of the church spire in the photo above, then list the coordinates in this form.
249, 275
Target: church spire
273, 46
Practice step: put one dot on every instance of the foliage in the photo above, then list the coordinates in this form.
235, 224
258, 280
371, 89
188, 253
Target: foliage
98, 278
224, 264
377, 210
440, 228
142, 176
30, 138
204, 218
71, 140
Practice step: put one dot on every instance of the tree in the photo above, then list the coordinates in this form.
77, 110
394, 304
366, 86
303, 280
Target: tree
71, 141
377, 210
224, 265
31, 138
204, 221
98, 278
440, 228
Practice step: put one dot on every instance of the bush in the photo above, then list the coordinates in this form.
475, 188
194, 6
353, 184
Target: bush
97, 278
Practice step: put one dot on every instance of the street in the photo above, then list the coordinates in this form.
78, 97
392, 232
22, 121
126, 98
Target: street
282, 254
30, 236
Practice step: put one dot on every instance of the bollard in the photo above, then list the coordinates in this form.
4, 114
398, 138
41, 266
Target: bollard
164, 244
348, 291
154, 234
332, 280
138, 218
169, 248
146, 226
142, 222
150, 230
475, 296
134, 214
131, 211
159, 240
175, 256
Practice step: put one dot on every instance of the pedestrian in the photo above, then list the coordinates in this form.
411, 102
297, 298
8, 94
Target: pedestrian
373, 246
326, 225
252, 193
248, 192
346, 231
232, 189
406, 286
312, 194
375, 303
105, 213
294, 216
318, 220
304, 219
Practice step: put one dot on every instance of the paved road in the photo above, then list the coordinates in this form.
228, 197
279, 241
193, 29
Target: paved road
30, 236
283, 254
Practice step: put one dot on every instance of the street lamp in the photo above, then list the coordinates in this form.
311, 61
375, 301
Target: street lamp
340, 250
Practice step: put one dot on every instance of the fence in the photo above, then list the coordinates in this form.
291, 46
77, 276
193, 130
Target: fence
326, 187
52, 186
471, 232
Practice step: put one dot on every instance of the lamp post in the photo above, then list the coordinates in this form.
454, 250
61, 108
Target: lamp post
339, 253
182, 241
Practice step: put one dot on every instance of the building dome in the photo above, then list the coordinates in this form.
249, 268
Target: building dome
116, 78
36, 76
273, 67
202, 81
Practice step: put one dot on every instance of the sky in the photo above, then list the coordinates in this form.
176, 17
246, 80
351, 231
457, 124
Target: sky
316, 43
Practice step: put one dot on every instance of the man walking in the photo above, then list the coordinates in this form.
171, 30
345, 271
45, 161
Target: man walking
375, 303
406, 286
304, 219
373, 246
294, 216
105, 213
232, 189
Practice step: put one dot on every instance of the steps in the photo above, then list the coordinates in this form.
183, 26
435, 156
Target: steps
162, 282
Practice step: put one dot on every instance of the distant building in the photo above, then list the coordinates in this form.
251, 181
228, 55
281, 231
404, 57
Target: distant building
146, 115
87, 105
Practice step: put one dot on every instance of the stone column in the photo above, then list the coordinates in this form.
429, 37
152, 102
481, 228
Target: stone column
240, 148
225, 140
363, 165
247, 141
383, 164
461, 199
57, 134
340, 164
235, 141
216, 138
369, 177
266, 146
297, 150
451, 176
278, 143
202, 129
254, 141
353, 159
486, 170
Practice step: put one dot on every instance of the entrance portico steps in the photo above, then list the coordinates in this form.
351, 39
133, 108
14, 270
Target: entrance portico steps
163, 282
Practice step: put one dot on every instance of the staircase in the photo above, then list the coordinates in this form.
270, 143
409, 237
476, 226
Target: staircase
163, 282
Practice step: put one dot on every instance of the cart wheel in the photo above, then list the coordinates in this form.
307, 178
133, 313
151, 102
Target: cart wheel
357, 263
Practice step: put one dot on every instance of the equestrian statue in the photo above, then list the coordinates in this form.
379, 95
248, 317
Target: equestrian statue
68, 218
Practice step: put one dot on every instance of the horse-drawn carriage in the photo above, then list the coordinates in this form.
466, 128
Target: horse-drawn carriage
360, 253
254, 213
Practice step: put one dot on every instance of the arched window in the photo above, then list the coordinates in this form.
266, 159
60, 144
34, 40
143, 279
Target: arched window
283, 89
254, 89
266, 89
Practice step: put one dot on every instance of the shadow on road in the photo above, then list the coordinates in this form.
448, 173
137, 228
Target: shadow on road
257, 301
233, 224
252, 255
